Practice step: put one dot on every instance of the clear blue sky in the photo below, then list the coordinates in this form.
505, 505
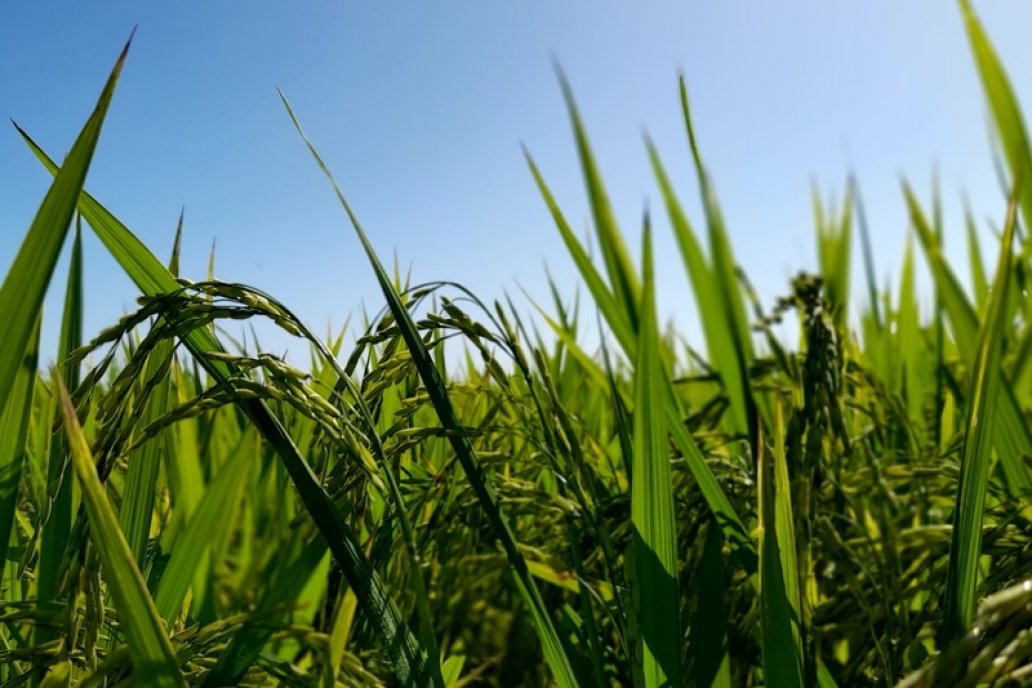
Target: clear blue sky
420, 108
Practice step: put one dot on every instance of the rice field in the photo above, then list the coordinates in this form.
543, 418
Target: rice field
453, 494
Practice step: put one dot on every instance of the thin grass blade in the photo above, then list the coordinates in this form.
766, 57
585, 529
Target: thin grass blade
615, 316
966, 545
622, 275
710, 661
213, 512
56, 531
21, 295
725, 268
780, 614
654, 586
552, 646
1003, 103
723, 354
1012, 437
865, 242
154, 663
15, 416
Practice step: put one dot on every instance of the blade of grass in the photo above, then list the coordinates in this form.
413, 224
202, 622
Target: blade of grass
725, 268
15, 416
1003, 103
966, 544
1012, 437
780, 604
154, 663
865, 241
908, 332
621, 417
834, 250
978, 279
723, 354
21, 295
183, 470
654, 585
938, 323
134, 516
622, 275
438, 393
407, 659
710, 665
58, 526
341, 632
615, 317
213, 511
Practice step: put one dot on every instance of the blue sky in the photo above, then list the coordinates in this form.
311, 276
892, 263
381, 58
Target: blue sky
420, 110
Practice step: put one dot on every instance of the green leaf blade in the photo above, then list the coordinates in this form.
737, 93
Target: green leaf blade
654, 585
23, 289
154, 662
966, 545
15, 417
436, 389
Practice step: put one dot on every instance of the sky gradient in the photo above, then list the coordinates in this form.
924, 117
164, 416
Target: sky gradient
420, 110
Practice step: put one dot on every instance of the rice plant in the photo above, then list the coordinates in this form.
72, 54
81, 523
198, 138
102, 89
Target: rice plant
455, 493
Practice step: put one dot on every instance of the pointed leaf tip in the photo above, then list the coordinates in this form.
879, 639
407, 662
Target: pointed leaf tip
125, 50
